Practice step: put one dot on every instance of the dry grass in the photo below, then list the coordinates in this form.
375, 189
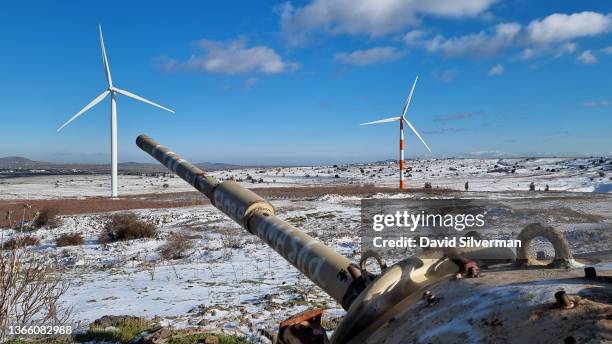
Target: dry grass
30, 291
176, 246
69, 239
48, 216
126, 226
73, 206
20, 242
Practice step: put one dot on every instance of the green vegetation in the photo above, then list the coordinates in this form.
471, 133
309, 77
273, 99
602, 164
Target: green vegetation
61, 340
130, 330
123, 332
201, 337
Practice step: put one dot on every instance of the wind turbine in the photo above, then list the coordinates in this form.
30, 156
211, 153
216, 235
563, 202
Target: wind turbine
401, 120
113, 91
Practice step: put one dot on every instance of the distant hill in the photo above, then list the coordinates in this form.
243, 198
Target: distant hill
153, 167
217, 165
18, 162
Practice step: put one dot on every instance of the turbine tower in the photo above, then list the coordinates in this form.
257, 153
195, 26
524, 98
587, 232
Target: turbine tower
401, 120
113, 91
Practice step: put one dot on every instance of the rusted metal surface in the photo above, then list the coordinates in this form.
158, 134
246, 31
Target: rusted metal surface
430, 298
564, 301
402, 285
331, 271
467, 267
590, 272
563, 256
303, 328
371, 254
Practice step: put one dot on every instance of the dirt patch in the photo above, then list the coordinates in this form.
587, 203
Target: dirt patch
306, 192
72, 206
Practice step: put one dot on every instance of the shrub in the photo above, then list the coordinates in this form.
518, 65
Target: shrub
70, 239
47, 216
30, 292
21, 241
115, 329
176, 246
126, 226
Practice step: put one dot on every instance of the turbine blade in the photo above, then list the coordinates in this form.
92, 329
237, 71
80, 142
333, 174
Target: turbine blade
133, 96
409, 98
105, 59
386, 120
87, 107
417, 134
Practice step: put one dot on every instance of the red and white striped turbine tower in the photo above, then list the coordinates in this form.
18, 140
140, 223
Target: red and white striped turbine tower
401, 119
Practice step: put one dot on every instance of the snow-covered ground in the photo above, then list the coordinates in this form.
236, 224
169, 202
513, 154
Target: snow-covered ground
230, 280
561, 174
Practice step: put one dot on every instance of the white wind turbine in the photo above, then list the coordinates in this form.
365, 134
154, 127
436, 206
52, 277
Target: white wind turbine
112, 90
401, 120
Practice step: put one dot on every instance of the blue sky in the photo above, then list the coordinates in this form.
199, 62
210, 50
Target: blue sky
271, 82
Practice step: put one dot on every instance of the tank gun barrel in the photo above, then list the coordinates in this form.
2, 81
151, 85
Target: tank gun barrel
334, 273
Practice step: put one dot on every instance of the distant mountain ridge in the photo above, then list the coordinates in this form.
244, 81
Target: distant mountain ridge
18, 162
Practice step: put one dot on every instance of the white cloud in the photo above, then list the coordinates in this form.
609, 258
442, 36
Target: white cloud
560, 27
231, 57
566, 48
496, 70
587, 57
551, 35
607, 50
249, 83
597, 103
370, 17
445, 75
483, 43
369, 56
557, 50
415, 37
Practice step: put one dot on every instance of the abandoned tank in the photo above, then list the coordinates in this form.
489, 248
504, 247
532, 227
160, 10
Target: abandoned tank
485, 295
